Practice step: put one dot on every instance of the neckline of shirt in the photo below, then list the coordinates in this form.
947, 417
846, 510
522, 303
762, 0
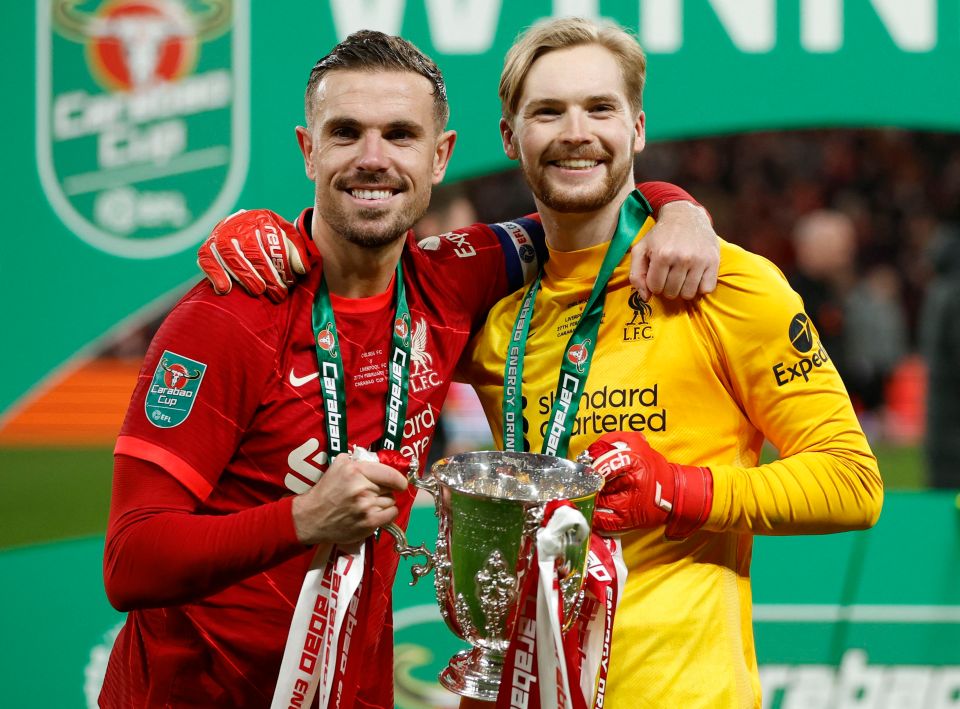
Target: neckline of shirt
579, 265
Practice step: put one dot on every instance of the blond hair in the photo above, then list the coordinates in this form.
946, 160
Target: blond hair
564, 33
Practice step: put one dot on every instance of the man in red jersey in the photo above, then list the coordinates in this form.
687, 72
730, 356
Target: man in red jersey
231, 477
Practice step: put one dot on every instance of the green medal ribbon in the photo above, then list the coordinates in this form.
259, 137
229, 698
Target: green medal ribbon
332, 382
578, 354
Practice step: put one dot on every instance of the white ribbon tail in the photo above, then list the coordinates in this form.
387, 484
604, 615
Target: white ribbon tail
308, 663
599, 628
567, 525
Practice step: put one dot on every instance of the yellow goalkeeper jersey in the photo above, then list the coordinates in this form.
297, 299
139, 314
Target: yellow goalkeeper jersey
705, 382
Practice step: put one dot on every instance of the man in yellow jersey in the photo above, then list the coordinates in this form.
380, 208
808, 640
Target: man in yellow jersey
580, 355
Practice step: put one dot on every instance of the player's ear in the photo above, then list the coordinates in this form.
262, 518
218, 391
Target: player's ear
305, 140
441, 156
509, 139
640, 133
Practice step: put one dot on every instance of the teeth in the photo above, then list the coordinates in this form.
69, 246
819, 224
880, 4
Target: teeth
371, 194
577, 164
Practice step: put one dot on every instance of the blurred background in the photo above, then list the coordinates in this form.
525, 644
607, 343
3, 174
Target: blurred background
822, 135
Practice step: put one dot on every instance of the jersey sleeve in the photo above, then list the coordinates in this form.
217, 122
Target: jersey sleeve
201, 381
659, 194
826, 479
159, 552
482, 263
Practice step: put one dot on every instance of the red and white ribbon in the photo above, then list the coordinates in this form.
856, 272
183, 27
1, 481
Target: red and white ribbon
591, 634
545, 668
316, 659
565, 525
310, 665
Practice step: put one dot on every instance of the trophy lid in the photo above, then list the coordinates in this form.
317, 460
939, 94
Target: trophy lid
524, 477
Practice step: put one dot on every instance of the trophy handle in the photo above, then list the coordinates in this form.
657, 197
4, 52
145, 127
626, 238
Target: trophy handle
427, 483
403, 548
401, 545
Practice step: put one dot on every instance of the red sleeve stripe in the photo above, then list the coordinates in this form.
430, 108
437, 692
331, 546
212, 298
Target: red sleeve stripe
185, 473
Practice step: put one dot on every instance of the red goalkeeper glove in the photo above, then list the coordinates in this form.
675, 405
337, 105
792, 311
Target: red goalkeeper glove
642, 490
258, 249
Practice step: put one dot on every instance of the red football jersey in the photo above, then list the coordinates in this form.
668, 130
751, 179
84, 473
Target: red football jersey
246, 428
229, 404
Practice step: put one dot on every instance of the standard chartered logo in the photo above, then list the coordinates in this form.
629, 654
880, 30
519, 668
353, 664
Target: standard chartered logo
610, 409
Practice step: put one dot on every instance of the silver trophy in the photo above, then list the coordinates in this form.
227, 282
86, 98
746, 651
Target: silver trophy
490, 505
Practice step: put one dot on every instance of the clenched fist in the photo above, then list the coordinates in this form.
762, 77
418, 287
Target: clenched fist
642, 490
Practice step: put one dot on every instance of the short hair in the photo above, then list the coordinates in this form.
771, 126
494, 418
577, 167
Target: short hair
563, 33
369, 50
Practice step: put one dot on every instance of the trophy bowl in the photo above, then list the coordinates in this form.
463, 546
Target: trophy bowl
490, 505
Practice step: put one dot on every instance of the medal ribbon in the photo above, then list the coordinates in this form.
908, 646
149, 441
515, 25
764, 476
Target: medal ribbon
333, 587
578, 353
332, 381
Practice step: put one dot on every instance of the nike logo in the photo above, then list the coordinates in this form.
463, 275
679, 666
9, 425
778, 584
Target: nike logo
296, 381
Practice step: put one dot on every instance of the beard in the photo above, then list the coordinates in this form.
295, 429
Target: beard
374, 227
563, 198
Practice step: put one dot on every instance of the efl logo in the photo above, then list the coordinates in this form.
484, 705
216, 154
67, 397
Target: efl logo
142, 118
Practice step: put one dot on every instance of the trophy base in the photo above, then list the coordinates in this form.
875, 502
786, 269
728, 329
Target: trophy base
474, 673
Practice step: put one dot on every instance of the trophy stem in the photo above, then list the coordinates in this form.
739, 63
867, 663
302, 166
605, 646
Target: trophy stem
474, 673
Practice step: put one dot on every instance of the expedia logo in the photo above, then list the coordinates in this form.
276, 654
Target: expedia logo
638, 328
462, 247
142, 126
801, 333
802, 337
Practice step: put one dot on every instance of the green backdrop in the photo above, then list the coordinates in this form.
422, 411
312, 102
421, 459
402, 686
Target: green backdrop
112, 178
865, 620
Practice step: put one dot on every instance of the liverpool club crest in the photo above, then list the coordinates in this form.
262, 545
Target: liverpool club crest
142, 118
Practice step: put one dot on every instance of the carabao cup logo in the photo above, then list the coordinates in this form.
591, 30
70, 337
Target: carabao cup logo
142, 118
578, 354
173, 390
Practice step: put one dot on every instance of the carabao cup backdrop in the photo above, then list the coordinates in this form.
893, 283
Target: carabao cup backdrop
132, 126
